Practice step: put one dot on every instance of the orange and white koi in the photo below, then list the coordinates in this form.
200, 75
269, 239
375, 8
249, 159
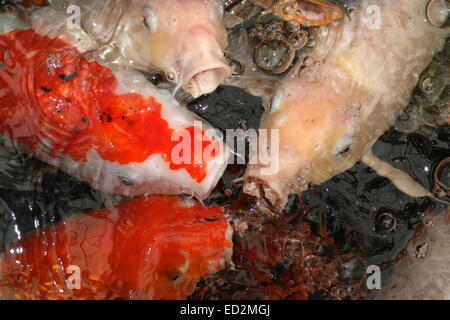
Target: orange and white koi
99, 122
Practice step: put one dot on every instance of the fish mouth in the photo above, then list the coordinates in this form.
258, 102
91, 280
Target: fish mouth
206, 80
263, 190
274, 189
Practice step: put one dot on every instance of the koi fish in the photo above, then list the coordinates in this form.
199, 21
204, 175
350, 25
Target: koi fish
185, 39
155, 248
97, 121
331, 114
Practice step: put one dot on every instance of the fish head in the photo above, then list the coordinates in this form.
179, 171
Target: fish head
186, 40
175, 243
318, 136
352, 89
146, 248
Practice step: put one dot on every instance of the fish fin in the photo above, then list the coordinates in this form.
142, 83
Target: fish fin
400, 179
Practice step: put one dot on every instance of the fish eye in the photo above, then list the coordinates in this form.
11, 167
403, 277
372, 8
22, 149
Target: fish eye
150, 19
343, 146
344, 151
126, 181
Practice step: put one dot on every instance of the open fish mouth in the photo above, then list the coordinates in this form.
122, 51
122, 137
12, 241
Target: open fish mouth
273, 191
206, 80
262, 190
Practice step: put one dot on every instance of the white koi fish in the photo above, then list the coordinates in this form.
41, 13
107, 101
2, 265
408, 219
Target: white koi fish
330, 115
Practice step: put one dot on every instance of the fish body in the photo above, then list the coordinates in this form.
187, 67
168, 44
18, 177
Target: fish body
363, 71
147, 248
101, 123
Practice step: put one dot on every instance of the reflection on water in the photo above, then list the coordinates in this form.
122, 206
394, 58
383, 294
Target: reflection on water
33, 194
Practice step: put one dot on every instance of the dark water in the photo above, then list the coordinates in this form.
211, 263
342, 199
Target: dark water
33, 194
365, 205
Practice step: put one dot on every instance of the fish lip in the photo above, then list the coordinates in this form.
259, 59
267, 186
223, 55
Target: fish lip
273, 189
262, 190
194, 89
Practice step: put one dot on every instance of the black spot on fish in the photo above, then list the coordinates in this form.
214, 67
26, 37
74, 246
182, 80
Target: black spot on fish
84, 120
105, 117
46, 89
69, 77
1, 65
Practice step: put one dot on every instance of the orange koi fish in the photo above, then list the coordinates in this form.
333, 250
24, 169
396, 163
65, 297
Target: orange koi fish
156, 248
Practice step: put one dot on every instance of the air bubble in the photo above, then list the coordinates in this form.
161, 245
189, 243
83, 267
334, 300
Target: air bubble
386, 222
428, 85
274, 56
437, 12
